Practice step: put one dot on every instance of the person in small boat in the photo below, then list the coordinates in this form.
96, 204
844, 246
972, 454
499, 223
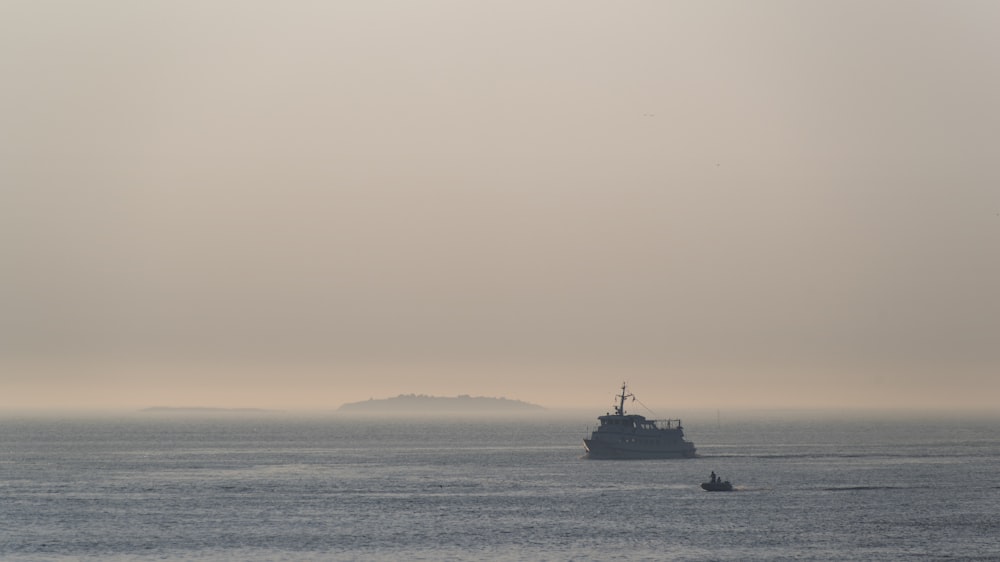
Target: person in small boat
714, 477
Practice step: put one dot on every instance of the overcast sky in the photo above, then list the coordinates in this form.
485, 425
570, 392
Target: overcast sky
300, 204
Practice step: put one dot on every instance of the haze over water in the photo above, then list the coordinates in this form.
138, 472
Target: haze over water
294, 206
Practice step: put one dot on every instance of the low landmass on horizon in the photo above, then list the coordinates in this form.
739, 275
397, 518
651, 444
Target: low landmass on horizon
423, 404
200, 409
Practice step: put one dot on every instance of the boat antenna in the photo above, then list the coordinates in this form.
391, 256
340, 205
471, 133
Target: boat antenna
620, 409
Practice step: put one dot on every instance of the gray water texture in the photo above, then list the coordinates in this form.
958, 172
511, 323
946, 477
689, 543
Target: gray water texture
327, 488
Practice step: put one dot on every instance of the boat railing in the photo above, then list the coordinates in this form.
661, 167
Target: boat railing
667, 424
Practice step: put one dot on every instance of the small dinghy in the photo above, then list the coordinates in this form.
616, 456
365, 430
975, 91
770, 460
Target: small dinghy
716, 484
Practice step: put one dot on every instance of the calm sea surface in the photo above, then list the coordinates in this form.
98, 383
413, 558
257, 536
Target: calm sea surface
270, 488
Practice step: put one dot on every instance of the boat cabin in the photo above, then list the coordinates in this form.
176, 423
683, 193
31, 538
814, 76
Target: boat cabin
638, 422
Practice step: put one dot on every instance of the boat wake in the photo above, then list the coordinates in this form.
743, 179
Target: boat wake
856, 488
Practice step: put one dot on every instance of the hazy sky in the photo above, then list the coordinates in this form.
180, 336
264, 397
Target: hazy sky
300, 204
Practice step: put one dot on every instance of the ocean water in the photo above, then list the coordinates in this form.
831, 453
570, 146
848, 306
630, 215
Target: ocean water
280, 488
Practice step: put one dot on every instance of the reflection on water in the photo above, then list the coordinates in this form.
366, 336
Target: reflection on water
300, 489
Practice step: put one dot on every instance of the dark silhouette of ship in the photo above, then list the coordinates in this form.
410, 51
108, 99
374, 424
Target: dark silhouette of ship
632, 436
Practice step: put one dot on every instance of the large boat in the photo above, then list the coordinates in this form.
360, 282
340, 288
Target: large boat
632, 436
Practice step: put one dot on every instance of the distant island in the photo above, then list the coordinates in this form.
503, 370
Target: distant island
201, 410
427, 405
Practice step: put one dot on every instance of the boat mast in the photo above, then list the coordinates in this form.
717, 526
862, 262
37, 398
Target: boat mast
621, 403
